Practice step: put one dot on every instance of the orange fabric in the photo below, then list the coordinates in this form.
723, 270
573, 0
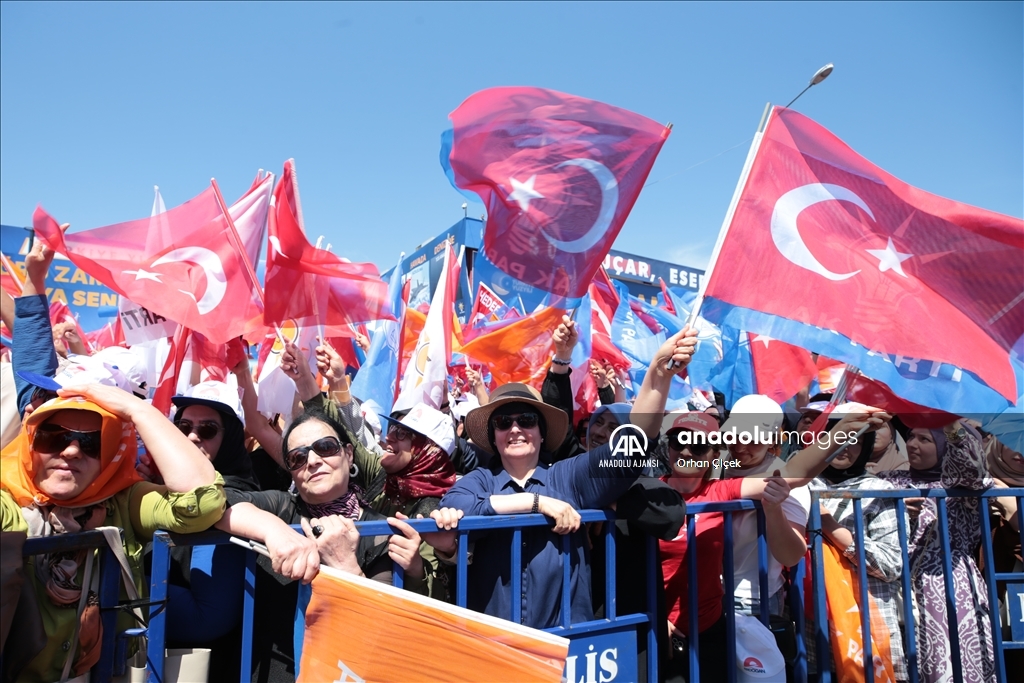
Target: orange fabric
842, 591
117, 457
520, 351
359, 630
412, 326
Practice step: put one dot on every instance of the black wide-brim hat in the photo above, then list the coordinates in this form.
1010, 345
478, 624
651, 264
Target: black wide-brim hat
555, 419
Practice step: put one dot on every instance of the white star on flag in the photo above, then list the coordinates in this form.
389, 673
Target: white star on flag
141, 274
889, 258
763, 338
524, 192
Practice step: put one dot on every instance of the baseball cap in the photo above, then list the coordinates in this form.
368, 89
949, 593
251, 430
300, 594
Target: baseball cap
431, 423
757, 655
755, 410
216, 395
131, 363
80, 370
815, 406
693, 420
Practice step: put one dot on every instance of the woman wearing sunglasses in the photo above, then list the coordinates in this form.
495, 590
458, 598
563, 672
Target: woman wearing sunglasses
206, 582
516, 425
318, 452
73, 469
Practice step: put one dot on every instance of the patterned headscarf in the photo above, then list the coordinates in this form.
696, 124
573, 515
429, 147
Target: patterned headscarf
429, 474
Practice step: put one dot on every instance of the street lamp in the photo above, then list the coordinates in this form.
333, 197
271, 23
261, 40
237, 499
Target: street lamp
819, 75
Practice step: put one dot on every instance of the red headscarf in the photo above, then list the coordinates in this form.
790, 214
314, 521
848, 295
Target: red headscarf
429, 474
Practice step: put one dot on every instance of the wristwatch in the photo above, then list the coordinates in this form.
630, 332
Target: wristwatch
850, 551
558, 361
536, 503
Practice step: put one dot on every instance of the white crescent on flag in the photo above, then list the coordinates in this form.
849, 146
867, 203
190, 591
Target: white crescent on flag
216, 282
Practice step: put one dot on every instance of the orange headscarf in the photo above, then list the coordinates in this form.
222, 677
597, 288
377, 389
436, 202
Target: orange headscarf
117, 458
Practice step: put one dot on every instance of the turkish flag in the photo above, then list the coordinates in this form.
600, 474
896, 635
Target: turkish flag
312, 286
876, 394
781, 369
559, 175
184, 264
826, 240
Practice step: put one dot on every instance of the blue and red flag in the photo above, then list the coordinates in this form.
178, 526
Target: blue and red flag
849, 261
558, 174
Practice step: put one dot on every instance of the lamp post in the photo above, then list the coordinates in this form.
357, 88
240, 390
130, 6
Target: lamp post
819, 75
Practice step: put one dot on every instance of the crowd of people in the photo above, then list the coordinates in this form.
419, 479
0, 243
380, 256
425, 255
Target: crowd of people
83, 449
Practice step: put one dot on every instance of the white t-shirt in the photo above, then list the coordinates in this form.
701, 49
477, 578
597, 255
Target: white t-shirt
796, 508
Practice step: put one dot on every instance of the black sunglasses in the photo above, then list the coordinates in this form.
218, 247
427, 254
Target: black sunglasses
400, 433
204, 430
54, 439
325, 448
698, 450
525, 421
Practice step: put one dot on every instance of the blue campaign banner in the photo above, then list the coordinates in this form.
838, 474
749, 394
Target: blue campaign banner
1015, 602
608, 657
92, 303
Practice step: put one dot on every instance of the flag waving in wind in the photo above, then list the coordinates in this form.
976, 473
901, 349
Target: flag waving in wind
313, 286
558, 174
426, 377
186, 264
893, 276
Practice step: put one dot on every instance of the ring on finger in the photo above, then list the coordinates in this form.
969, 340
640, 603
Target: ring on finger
317, 530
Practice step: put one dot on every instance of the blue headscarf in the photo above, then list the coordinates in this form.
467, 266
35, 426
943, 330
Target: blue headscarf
620, 411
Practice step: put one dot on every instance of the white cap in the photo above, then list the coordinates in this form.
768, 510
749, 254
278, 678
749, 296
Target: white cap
216, 395
757, 655
132, 364
431, 423
78, 370
849, 407
755, 410
462, 407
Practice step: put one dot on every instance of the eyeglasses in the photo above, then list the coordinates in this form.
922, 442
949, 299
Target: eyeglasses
698, 450
525, 421
325, 448
400, 433
54, 439
204, 430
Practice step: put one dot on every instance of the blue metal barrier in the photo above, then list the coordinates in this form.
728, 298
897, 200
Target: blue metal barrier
643, 624
109, 588
991, 577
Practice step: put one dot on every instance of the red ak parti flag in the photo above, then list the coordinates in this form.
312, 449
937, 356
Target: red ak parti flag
312, 286
840, 257
558, 174
184, 264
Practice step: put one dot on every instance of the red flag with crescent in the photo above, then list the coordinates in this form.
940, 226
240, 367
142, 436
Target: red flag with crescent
558, 174
312, 286
185, 264
827, 251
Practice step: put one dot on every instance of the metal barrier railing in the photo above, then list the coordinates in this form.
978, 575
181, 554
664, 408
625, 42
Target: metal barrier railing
644, 623
109, 587
991, 577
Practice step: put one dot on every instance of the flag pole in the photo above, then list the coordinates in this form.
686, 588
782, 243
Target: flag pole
755, 145
238, 242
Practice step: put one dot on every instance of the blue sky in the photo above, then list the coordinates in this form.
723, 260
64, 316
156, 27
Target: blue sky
99, 102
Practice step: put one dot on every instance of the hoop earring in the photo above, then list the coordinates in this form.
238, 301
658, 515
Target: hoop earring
353, 471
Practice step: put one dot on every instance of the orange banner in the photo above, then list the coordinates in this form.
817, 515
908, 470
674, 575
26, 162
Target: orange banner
362, 630
842, 590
